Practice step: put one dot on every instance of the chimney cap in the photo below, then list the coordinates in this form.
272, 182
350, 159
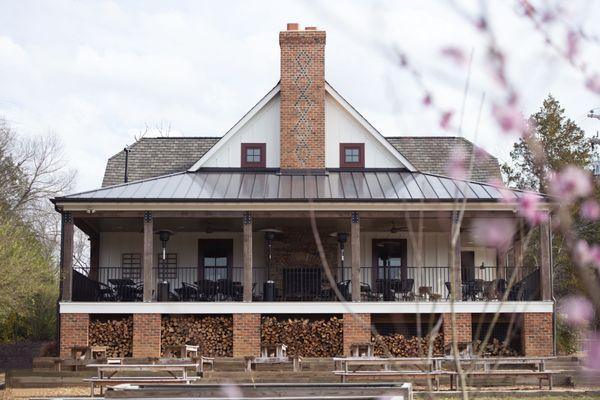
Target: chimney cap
293, 26
310, 28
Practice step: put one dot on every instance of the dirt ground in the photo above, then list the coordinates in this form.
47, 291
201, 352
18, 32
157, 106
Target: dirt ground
10, 394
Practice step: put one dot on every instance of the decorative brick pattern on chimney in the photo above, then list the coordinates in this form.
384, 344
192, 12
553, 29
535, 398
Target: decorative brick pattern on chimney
246, 335
146, 335
302, 98
357, 329
463, 328
74, 330
537, 334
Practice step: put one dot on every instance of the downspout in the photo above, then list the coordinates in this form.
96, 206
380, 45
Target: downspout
60, 275
126, 150
554, 321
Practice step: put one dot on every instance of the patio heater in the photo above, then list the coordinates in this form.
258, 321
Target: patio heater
387, 251
163, 285
269, 285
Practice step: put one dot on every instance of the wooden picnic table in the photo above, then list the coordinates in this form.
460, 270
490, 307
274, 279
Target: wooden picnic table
108, 373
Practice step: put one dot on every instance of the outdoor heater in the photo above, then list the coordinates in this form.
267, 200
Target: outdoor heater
269, 285
163, 285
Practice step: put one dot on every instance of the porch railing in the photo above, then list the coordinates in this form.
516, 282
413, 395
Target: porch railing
312, 284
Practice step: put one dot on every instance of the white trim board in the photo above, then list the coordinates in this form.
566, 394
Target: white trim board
306, 307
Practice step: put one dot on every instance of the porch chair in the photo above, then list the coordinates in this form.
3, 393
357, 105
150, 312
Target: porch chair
406, 289
187, 292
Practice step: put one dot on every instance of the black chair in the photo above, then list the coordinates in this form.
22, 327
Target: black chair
406, 288
366, 293
449, 289
104, 292
207, 290
501, 287
187, 292
344, 288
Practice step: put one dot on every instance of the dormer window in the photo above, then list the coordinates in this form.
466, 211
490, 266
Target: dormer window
352, 155
254, 155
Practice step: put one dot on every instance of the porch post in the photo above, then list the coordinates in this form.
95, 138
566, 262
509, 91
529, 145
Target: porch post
501, 264
355, 243
94, 257
67, 256
518, 256
247, 222
545, 265
455, 264
148, 255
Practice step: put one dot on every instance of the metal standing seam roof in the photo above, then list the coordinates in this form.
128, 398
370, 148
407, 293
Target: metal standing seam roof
372, 186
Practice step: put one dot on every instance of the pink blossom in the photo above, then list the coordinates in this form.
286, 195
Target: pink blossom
231, 391
572, 44
506, 194
593, 83
509, 118
529, 208
586, 254
493, 232
592, 352
590, 210
457, 164
577, 310
481, 24
427, 100
572, 182
445, 119
455, 54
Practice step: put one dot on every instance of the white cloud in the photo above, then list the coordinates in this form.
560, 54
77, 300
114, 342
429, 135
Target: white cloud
97, 72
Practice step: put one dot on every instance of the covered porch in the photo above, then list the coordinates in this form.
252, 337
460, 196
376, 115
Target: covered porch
298, 256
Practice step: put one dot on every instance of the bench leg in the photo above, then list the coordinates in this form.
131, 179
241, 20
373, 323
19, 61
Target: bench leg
550, 382
92, 389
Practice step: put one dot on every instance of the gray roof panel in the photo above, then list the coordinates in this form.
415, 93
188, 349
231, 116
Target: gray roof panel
271, 186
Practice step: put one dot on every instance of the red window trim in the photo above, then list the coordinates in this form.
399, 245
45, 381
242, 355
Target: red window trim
263, 155
361, 155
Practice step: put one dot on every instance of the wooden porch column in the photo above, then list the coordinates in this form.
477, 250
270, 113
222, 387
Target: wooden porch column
67, 256
501, 257
148, 257
518, 256
455, 264
247, 222
94, 257
545, 265
355, 243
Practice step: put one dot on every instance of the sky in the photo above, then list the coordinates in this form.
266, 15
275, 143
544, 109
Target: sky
97, 73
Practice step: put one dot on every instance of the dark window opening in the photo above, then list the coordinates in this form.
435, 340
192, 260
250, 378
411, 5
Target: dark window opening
352, 155
216, 258
254, 155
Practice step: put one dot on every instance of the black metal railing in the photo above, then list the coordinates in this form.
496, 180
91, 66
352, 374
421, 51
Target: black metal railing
313, 284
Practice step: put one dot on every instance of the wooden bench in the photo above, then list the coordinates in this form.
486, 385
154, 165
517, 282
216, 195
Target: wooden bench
431, 376
251, 361
545, 375
154, 380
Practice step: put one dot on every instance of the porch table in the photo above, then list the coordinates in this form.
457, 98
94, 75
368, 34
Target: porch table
178, 371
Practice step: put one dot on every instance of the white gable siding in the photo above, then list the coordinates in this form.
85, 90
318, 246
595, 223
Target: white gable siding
341, 127
261, 128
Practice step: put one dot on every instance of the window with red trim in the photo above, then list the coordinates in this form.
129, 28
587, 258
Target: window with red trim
352, 155
254, 155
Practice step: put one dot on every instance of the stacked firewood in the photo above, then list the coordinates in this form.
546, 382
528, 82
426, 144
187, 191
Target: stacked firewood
304, 337
397, 345
115, 333
214, 334
493, 348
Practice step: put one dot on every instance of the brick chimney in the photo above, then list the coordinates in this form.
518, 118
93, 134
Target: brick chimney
302, 98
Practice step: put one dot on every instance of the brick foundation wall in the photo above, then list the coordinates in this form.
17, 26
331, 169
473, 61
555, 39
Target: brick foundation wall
246, 335
74, 330
463, 328
146, 335
357, 329
302, 109
537, 334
